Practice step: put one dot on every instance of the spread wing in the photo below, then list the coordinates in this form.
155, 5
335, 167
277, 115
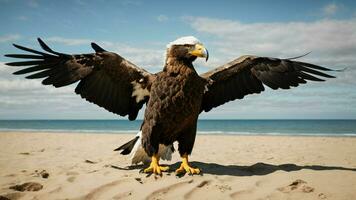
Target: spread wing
247, 75
105, 78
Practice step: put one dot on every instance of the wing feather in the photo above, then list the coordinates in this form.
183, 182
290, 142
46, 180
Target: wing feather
247, 74
32, 69
24, 56
105, 78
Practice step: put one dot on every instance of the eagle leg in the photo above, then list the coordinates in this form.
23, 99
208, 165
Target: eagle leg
155, 167
186, 168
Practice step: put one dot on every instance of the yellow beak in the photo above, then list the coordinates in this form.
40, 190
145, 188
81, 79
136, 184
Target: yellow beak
200, 51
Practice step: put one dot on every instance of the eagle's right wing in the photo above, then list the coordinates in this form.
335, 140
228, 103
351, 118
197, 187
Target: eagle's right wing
106, 78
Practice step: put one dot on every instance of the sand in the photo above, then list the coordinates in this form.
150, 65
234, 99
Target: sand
83, 166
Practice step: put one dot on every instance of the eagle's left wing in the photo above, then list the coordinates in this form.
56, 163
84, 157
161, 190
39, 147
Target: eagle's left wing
247, 74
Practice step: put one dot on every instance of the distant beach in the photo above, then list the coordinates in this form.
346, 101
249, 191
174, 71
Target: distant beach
219, 127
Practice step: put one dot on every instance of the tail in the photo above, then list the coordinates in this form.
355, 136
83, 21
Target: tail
138, 154
128, 146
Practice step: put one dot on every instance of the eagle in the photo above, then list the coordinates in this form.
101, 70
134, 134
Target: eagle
174, 97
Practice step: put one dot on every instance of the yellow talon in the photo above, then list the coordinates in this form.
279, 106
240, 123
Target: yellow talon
186, 168
155, 167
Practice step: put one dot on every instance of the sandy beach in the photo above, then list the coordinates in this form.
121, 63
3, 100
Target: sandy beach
83, 166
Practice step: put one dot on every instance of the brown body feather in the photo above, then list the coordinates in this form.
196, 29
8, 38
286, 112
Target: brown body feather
174, 106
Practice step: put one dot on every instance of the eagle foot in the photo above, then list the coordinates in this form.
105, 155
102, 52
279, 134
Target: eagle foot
186, 168
154, 167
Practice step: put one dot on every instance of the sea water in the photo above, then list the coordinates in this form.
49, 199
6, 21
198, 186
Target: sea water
223, 127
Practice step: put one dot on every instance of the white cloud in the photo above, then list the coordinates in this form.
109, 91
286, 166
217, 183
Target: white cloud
332, 42
162, 18
144, 57
141, 56
325, 35
18, 84
330, 9
9, 38
68, 41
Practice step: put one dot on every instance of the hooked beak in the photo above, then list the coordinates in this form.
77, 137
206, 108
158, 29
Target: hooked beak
200, 51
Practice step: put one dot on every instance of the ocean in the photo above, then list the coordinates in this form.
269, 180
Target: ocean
224, 127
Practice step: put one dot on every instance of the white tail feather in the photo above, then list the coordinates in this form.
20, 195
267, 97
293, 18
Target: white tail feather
138, 154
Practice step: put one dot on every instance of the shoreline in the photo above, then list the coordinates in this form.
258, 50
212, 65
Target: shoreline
212, 133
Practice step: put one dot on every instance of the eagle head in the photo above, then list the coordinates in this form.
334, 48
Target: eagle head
188, 48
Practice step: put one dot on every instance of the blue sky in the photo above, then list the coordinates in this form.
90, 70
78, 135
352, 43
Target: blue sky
140, 30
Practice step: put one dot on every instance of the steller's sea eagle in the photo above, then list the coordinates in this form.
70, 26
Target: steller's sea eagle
174, 97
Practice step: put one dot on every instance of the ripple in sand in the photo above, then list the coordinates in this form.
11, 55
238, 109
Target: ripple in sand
163, 193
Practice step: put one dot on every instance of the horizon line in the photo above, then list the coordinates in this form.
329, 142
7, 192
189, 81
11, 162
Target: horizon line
198, 119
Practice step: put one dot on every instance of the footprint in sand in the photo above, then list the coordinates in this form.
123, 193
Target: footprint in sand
4, 198
260, 183
206, 186
12, 196
29, 186
42, 173
72, 173
139, 180
223, 188
322, 196
90, 161
10, 175
71, 179
297, 185
25, 153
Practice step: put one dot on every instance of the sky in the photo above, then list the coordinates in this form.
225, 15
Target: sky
139, 31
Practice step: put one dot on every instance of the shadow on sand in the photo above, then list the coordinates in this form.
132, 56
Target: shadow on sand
257, 169
252, 170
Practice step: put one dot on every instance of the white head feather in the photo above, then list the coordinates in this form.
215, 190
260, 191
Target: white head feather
184, 40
